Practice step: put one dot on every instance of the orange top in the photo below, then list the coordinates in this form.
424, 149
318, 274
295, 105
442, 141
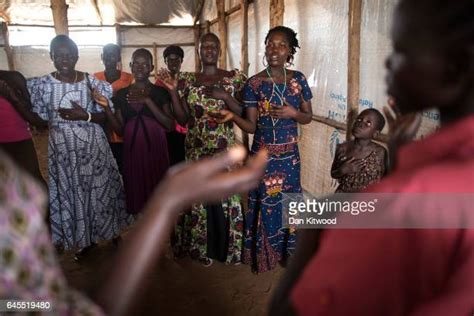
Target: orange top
124, 81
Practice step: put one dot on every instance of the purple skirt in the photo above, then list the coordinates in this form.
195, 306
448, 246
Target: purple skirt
145, 160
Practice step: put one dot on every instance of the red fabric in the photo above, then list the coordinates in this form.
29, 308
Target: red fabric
13, 127
400, 272
178, 128
124, 81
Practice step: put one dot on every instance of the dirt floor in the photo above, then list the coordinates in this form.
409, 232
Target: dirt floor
178, 287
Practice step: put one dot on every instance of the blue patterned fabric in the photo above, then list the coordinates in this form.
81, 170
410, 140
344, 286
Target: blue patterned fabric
86, 196
266, 242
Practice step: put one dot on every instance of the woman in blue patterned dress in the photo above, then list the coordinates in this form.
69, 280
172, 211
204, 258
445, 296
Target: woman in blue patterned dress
85, 188
276, 100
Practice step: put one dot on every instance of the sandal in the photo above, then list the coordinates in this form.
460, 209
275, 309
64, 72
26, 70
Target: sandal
206, 262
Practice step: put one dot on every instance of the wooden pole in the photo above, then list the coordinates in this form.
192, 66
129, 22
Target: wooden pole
244, 50
353, 67
8, 49
59, 8
155, 60
197, 37
118, 39
5, 16
207, 26
277, 11
97, 10
222, 27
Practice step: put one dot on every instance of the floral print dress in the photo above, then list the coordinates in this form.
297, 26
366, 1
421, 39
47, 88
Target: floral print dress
372, 171
206, 138
30, 270
266, 241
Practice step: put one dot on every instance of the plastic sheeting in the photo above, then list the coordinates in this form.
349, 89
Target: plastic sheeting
375, 47
155, 12
82, 12
142, 35
35, 61
317, 148
322, 28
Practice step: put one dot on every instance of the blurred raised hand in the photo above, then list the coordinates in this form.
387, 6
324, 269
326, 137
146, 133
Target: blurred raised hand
402, 128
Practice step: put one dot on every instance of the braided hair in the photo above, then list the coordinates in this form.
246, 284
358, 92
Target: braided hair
290, 36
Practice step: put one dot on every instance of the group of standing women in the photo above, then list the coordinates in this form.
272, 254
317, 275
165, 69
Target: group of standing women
87, 200
275, 101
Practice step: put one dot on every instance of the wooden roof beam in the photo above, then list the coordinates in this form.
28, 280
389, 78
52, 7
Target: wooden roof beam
59, 8
97, 10
5, 16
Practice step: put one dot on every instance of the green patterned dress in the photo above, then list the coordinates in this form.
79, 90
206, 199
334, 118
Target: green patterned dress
206, 138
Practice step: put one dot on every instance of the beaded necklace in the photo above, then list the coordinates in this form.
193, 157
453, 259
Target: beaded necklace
275, 90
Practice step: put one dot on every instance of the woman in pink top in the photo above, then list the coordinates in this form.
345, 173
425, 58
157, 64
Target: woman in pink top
15, 114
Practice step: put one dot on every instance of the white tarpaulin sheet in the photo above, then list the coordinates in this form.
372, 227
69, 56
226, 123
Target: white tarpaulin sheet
82, 12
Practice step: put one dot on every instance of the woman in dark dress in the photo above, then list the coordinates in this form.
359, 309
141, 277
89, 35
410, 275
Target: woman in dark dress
143, 112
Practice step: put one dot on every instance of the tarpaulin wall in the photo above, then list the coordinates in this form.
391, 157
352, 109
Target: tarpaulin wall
35, 61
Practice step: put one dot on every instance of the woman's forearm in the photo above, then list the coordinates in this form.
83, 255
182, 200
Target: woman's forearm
303, 117
97, 118
137, 258
233, 105
246, 125
113, 121
164, 119
179, 109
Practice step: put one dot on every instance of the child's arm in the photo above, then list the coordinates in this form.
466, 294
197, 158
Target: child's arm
335, 163
343, 165
383, 157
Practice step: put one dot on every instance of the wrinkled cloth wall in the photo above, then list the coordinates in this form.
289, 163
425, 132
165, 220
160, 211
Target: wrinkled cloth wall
35, 61
160, 36
83, 12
